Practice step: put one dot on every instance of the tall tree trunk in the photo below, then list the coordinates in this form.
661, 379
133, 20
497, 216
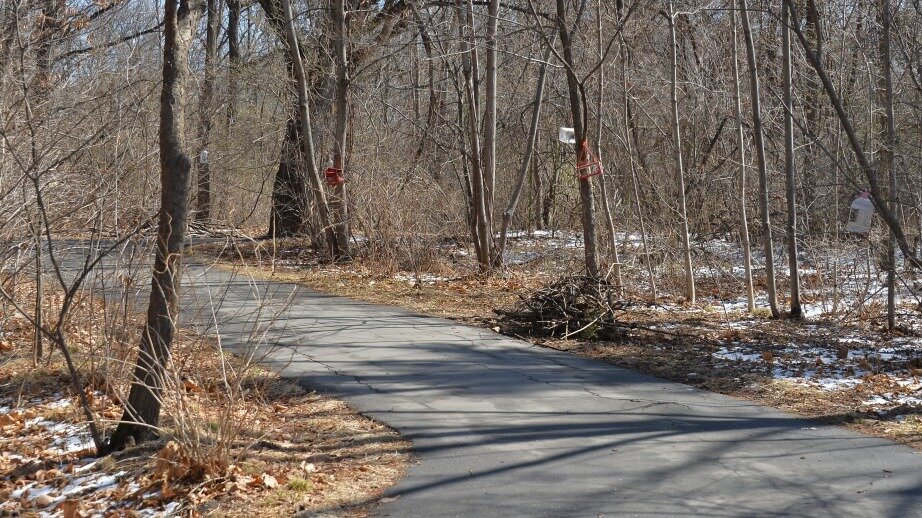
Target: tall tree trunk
577, 97
788, 99
203, 204
338, 205
680, 168
888, 151
142, 412
306, 137
290, 205
289, 190
603, 181
233, 55
630, 136
537, 188
526, 160
482, 237
744, 219
759, 138
489, 115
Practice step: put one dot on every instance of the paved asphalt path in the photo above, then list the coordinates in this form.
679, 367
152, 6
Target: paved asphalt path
504, 428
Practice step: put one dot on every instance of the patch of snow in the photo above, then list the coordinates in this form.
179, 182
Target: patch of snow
735, 355
517, 258
60, 403
93, 482
426, 278
72, 443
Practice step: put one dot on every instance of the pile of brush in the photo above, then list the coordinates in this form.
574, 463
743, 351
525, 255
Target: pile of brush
578, 306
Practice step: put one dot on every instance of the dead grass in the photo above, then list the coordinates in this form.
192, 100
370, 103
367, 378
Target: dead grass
295, 449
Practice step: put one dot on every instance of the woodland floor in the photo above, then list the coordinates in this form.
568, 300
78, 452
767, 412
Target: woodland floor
270, 447
846, 371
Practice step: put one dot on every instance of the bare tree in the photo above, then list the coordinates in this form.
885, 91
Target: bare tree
338, 205
744, 219
306, 136
788, 100
759, 138
680, 168
142, 409
603, 183
888, 150
577, 96
213, 25
481, 221
529, 154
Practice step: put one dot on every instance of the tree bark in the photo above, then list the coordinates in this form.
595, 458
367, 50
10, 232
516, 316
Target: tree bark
788, 100
306, 137
289, 190
233, 55
203, 201
577, 98
142, 411
759, 138
603, 181
887, 152
490, 113
680, 168
482, 237
338, 205
744, 219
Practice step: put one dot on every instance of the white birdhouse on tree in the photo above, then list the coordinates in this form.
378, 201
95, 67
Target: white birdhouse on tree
567, 135
859, 218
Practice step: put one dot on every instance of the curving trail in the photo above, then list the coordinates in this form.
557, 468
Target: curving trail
504, 428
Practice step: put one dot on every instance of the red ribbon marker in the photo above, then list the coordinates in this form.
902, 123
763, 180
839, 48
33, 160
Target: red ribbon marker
334, 176
588, 166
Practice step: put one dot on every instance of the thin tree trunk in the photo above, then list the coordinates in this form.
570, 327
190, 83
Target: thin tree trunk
758, 137
887, 154
489, 115
338, 205
233, 55
744, 219
788, 99
203, 204
629, 139
577, 103
39, 293
537, 185
680, 168
526, 160
307, 140
482, 237
603, 181
142, 411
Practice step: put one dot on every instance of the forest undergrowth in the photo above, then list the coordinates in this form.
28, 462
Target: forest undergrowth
236, 439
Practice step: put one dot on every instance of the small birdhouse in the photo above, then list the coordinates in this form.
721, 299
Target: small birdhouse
859, 217
567, 136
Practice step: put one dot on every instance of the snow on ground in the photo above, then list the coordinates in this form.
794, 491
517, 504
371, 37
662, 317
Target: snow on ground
420, 278
883, 372
45, 453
